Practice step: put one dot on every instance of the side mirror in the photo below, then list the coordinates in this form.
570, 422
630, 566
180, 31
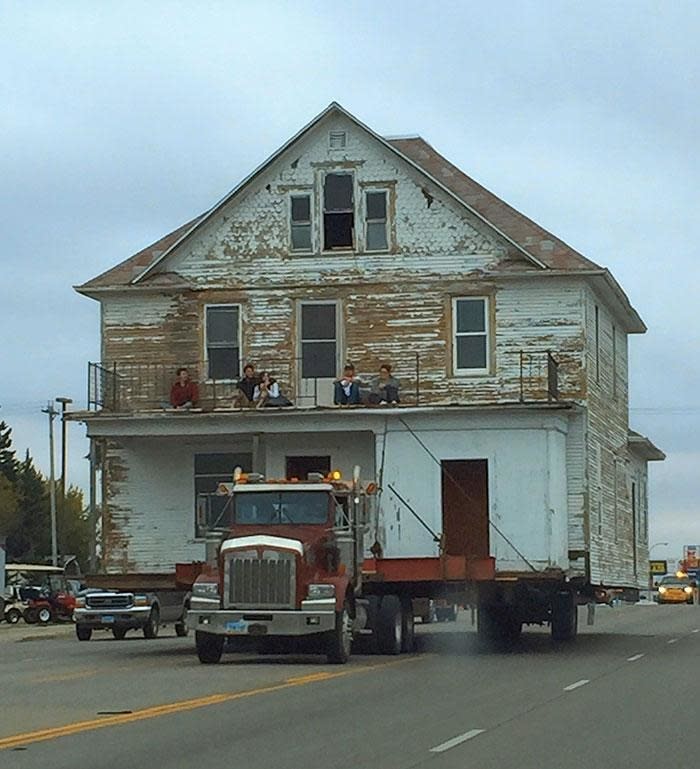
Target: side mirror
656, 584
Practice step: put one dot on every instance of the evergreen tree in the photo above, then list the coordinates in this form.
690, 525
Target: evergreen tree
8, 461
32, 539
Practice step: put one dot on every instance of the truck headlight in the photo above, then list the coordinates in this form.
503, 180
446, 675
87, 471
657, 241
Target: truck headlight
687, 589
321, 591
80, 602
662, 589
205, 590
141, 600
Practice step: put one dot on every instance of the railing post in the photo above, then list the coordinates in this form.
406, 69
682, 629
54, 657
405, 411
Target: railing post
522, 384
417, 378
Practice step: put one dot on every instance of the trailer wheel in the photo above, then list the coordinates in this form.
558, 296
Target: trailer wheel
408, 629
13, 616
119, 633
83, 633
44, 615
151, 628
564, 622
389, 628
210, 647
340, 638
30, 616
181, 629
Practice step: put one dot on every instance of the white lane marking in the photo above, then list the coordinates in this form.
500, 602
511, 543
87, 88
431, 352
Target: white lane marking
456, 740
635, 657
697, 630
672, 640
582, 682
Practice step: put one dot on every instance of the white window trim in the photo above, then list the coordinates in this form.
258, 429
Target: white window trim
467, 372
365, 220
338, 335
205, 355
301, 194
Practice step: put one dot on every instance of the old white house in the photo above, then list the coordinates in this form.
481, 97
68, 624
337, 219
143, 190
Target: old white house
511, 438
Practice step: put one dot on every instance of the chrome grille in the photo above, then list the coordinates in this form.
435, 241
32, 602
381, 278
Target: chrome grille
116, 601
255, 582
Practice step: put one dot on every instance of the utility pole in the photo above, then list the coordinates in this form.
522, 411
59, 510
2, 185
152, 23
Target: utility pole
64, 460
52, 483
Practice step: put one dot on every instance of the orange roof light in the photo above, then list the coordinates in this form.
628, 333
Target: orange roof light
336, 475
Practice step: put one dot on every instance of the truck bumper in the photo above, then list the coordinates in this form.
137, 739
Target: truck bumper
97, 619
230, 622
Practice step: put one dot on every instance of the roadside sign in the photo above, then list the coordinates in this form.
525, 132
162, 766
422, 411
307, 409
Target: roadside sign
658, 567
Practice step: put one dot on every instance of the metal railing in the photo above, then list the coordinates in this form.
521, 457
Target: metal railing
125, 387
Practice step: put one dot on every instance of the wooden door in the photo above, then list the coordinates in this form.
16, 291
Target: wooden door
465, 507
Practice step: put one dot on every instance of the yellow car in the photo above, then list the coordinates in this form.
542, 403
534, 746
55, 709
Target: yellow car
675, 590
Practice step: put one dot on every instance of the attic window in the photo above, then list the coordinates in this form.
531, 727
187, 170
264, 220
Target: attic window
301, 222
338, 212
337, 140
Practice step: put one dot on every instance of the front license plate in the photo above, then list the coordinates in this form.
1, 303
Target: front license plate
257, 630
236, 626
108, 618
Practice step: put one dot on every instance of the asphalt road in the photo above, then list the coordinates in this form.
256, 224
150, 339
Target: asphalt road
624, 694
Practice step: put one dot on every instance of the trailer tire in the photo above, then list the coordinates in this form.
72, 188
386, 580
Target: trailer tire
339, 640
119, 633
181, 629
389, 627
564, 623
83, 633
152, 626
30, 616
408, 630
44, 615
13, 616
210, 647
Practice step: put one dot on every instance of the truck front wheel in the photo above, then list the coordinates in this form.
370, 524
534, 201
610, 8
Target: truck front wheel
83, 633
390, 625
150, 629
210, 647
340, 638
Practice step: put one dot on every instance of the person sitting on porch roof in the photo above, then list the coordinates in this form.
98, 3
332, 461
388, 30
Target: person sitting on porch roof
245, 395
385, 387
346, 390
184, 393
267, 393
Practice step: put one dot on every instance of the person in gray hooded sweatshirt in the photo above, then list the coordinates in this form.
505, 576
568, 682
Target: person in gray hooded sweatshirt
385, 387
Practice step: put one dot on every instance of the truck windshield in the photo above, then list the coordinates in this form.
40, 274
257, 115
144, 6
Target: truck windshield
281, 507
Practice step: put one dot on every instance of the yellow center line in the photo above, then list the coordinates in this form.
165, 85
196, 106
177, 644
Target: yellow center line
181, 706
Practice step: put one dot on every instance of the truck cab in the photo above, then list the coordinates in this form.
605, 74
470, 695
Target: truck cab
289, 564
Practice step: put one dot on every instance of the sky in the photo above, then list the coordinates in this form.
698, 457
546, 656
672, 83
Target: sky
119, 121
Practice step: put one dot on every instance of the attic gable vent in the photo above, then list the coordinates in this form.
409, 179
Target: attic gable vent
337, 140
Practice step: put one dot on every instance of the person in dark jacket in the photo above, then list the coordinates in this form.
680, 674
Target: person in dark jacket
246, 387
385, 387
346, 389
184, 393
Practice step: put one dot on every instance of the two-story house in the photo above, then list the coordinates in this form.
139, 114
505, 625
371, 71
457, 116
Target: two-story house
511, 438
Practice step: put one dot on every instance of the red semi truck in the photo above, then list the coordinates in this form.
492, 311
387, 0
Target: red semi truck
299, 559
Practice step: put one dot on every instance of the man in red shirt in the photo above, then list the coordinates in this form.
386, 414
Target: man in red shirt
184, 393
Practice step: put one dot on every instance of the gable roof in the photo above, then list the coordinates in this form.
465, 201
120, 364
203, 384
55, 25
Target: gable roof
539, 247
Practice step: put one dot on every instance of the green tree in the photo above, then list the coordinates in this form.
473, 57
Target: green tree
32, 538
9, 510
8, 461
73, 527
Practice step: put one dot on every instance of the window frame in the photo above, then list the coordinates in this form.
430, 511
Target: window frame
224, 478
300, 339
352, 210
301, 194
487, 333
239, 309
366, 220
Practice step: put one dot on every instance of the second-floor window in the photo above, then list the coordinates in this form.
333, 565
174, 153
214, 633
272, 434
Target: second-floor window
222, 332
318, 340
376, 238
471, 335
300, 217
338, 212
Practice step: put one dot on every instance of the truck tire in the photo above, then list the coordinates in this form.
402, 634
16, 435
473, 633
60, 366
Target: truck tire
564, 622
13, 616
181, 629
2, 608
119, 633
389, 628
339, 640
83, 633
210, 647
152, 626
408, 630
